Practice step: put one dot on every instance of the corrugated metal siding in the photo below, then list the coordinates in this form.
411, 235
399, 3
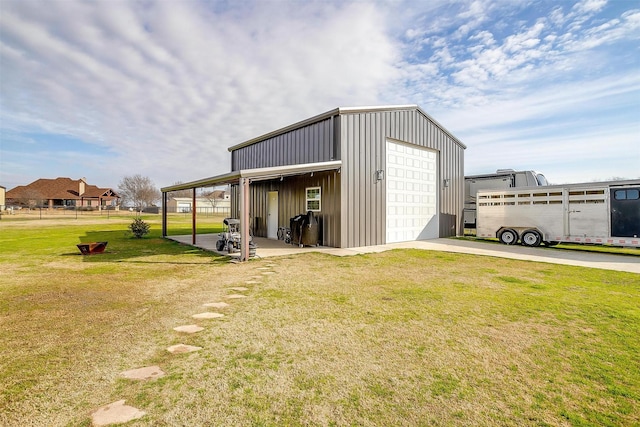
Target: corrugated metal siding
291, 202
363, 138
310, 144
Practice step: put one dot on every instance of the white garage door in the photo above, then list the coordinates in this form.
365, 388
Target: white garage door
412, 193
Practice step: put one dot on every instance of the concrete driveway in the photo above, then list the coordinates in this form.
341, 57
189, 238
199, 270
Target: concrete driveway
270, 248
628, 263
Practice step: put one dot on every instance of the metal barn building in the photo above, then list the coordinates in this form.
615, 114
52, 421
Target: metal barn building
370, 175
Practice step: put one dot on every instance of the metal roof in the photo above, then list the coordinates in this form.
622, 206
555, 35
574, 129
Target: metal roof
259, 174
339, 111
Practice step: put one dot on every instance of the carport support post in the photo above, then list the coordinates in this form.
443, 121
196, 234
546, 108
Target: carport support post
193, 218
164, 214
244, 219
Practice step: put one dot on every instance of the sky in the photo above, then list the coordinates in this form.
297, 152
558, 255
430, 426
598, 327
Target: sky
107, 89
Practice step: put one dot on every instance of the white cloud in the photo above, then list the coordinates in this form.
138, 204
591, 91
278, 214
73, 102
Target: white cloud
588, 6
164, 83
165, 87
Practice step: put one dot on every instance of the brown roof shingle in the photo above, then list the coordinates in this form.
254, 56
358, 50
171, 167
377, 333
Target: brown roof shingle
61, 189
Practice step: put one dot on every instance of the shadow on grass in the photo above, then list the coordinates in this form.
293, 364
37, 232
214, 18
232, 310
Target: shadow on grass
122, 246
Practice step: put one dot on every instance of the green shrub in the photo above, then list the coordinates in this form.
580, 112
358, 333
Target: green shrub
139, 228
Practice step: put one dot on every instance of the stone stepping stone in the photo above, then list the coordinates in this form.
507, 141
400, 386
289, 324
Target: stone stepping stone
189, 329
216, 304
235, 296
115, 413
264, 268
251, 282
239, 289
182, 348
146, 373
207, 315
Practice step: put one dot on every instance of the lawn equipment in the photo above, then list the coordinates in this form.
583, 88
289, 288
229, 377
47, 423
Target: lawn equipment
230, 239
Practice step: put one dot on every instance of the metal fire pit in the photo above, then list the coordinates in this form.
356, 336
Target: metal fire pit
92, 248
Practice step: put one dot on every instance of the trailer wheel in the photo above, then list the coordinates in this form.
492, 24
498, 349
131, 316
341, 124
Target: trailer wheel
508, 236
531, 238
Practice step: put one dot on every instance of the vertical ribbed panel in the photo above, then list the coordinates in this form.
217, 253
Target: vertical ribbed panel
292, 200
353, 203
363, 138
310, 144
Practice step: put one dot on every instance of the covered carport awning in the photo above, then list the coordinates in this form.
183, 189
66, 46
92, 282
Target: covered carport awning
243, 179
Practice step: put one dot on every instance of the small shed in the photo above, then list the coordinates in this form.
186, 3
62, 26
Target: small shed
370, 175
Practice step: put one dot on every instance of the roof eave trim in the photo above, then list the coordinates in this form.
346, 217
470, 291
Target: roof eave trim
258, 174
344, 110
205, 182
282, 171
444, 129
320, 117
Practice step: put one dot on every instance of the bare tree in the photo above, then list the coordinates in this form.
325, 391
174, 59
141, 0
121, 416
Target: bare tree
138, 191
212, 197
32, 198
182, 193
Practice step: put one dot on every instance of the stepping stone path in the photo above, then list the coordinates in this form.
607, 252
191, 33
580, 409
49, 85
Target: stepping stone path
118, 412
115, 413
207, 315
183, 348
216, 304
189, 329
146, 373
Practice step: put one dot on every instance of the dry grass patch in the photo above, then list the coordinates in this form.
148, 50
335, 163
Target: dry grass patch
404, 337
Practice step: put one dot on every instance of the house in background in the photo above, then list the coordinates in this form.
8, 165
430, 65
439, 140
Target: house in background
62, 193
215, 202
370, 175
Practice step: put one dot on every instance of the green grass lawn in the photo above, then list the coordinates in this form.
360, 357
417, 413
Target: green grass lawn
405, 337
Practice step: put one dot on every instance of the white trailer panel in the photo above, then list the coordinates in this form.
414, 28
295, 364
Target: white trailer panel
501, 180
577, 213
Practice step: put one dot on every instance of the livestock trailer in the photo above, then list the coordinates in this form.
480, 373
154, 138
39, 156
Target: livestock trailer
606, 213
502, 179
